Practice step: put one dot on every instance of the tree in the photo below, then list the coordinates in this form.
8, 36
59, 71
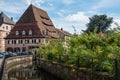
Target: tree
102, 22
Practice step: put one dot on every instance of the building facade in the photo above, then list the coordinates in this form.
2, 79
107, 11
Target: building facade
31, 31
6, 24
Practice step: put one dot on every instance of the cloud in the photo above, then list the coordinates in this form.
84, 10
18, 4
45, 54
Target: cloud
79, 20
106, 4
68, 1
50, 4
35, 2
66, 25
115, 23
28, 1
43, 4
15, 7
61, 12
78, 17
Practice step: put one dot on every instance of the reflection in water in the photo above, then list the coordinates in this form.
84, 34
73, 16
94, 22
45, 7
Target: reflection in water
27, 73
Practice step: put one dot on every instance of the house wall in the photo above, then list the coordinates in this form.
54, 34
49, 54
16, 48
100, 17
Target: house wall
23, 45
4, 31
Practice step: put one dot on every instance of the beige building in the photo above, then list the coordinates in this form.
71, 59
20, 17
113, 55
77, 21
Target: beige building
6, 24
33, 29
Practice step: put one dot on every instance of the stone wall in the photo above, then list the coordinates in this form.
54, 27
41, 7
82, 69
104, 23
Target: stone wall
14, 62
72, 73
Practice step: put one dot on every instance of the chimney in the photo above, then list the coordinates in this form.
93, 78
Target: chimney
1, 12
12, 18
61, 29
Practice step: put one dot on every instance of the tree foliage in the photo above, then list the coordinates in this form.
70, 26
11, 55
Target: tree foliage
90, 49
102, 22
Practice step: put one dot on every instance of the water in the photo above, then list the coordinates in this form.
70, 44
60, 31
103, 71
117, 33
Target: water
28, 73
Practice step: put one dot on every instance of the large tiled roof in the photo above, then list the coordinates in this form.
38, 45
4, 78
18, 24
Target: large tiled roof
34, 14
26, 27
5, 19
34, 19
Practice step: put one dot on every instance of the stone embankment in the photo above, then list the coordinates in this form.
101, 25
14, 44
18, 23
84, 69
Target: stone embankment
72, 73
13, 62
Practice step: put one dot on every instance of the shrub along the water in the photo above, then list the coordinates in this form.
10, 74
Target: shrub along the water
93, 50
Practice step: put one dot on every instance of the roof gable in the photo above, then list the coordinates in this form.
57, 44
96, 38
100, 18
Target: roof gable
34, 14
37, 20
5, 19
28, 16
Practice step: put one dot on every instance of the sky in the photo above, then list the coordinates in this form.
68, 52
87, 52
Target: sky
70, 15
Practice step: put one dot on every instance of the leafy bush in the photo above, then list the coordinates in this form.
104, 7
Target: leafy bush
94, 50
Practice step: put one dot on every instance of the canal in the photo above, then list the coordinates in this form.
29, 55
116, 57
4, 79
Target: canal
28, 73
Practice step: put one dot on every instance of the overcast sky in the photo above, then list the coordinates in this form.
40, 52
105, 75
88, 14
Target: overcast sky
65, 13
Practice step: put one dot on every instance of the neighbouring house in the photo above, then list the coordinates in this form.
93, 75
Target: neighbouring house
63, 35
32, 30
6, 24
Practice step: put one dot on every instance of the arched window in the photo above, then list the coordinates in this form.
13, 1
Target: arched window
17, 33
8, 42
23, 33
30, 32
9, 49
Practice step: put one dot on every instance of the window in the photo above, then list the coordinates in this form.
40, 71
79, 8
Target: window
47, 24
44, 32
30, 41
8, 42
21, 41
23, 49
17, 42
26, 41
37, 40
34, 40
14, 41
47, 33
17, 33
30, 32
6, 34
23, 33
7, 27
44, 17
11, 27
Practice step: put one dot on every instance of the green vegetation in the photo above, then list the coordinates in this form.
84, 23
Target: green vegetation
102, 22
92, 51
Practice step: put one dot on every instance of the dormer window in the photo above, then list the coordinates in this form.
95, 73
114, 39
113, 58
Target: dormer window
23, 33
44, 32
7, 27
30, 32
17, 33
